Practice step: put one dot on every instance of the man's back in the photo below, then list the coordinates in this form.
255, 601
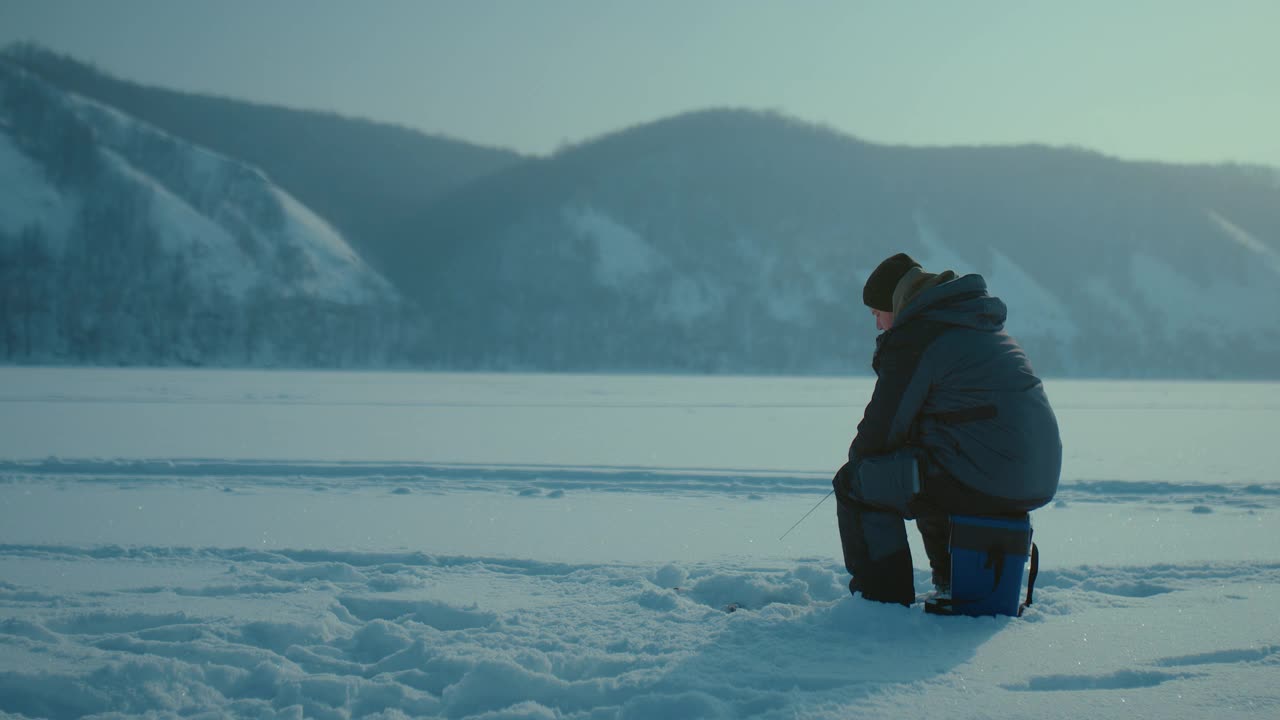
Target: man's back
965, 393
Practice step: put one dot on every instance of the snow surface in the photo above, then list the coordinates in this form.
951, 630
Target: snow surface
219, 209
275, 544
337, 272
29, 198
622, 255
1244, 307
1034, 310
1269, 257
938, 256
182, 228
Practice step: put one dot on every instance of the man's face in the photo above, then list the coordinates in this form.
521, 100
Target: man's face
884, 320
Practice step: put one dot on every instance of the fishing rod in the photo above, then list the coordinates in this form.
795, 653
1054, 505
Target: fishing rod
815, 507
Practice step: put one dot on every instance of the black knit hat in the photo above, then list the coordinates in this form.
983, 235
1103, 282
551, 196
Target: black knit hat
878, 292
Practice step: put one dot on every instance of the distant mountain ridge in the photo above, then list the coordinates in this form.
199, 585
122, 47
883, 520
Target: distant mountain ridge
122, 244
359, 175
738, 241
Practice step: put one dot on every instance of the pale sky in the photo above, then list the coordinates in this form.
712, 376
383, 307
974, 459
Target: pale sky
1171, 80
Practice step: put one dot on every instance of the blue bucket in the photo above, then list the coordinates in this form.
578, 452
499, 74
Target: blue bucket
988, 556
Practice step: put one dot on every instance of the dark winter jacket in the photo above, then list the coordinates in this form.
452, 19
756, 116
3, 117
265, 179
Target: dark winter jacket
952, 383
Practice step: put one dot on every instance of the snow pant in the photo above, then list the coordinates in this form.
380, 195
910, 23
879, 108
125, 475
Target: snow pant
875, 497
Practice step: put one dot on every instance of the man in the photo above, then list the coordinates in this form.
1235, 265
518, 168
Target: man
958, 423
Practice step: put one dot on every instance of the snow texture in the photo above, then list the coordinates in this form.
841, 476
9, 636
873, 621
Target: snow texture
1216, 308
1036, 310
1268, 256
29, 199
390, 545
622, 256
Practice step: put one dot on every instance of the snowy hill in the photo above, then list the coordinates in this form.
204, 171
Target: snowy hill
121, 243
356, 174
739, 241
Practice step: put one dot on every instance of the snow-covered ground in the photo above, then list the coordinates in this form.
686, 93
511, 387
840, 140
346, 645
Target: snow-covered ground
286, 544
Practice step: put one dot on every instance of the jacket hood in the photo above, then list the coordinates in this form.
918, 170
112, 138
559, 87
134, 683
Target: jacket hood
963, 301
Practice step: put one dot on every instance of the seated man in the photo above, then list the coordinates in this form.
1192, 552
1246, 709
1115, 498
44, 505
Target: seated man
958, 423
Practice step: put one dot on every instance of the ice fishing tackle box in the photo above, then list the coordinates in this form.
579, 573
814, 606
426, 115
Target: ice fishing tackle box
988, 556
